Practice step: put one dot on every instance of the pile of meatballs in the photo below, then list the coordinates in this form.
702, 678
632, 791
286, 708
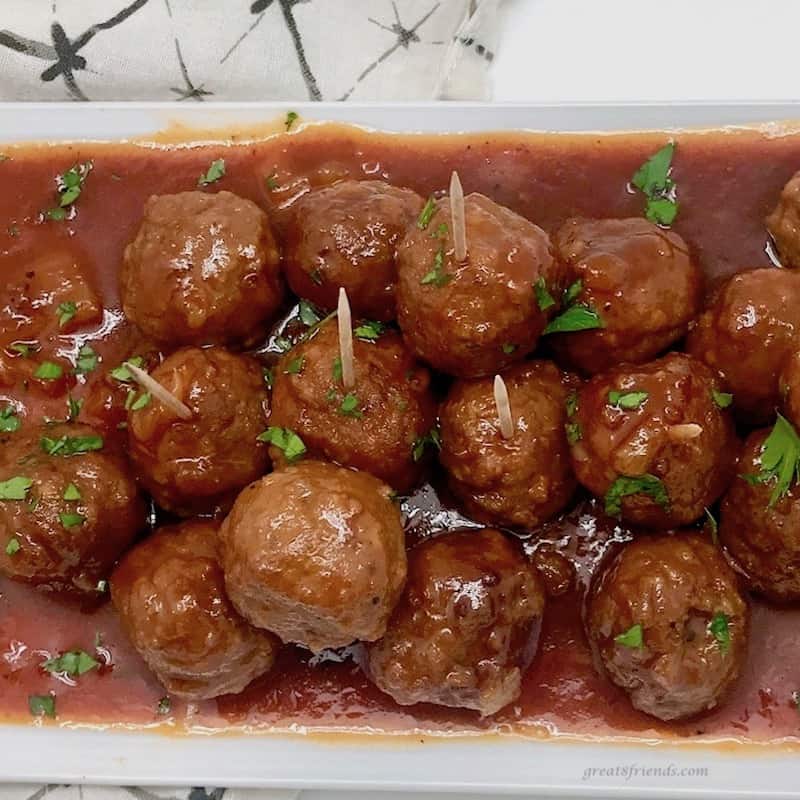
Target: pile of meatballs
282, 488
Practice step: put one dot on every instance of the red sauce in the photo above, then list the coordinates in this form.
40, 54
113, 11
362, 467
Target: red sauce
727, 183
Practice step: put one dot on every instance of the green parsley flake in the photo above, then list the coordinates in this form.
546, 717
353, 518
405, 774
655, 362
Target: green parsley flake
69, 185
432, 438
295, 366
543, 297
350, 407
661, 210
369, 331
629, 401
269, 376
625, 486
509, 348
42, 705
572, 292
308, 314
73, 408
291, 117
164, 705
722, 399
426, 215
24, 348
15, 488
336, 371
437, 276
122, 373
576, 318
70, 520
13, 546
653, 179
780, 460
272, 182
87, 360
574, 432
66, 311
214, 172
48, 371
711, 522
282, 344
633, 637
9, 421
142, 401
73, 663
285, 440
718, 627
72, 492
70, 445
572, 403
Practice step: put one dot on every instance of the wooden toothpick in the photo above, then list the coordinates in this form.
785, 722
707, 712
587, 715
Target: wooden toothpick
459, 223
159, 392
503, 407
346, 341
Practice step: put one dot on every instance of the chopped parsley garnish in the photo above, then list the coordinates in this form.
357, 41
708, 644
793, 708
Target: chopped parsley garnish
282, 344
13, 546
633, 637
437, 276
73, 663
441, 230
426, 215
42, 705
295, 366
572, 403
72, 492
66, 311
509, 348
712, 526
73, 408
286, 440
780, 460
574, 432
48, 371
722, 399
87, 360
432, 438
214, 172
575, 318
70, 185
164, 705
543, 297
572, 292
269, 376
9, 421
122, 373
654, 181
71, 520
15, 488
291, 116
629, 401
336, 370
625, 486
70, 445
142, 401
272, 182
24, 348
719, 629
308, 314
369, 331
350, 406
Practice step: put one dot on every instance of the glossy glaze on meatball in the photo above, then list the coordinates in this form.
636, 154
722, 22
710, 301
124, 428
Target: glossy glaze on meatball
198, 465
70, 508
784, 223
203, 268
315, 553
345, 235
521, 481
654, 440
467, 625
373, 427
747, 334
762, 534
478, 317
639, 278
668, 624
170, 595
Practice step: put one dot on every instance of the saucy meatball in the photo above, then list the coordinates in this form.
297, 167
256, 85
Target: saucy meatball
203, 268
345, 235
466, 628
641, 281
784, 223
376, 426
654, 440
748, 333
69, 508
315, 553
760, 525
477, 317
170, 595
521, 481
199, 464
668, 624
789, 387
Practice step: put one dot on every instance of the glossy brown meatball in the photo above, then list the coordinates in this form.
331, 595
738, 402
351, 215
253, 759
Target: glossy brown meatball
466, 628
346, 235
315, 553
669, 624
763, 536
478, 317
748, 333
198, 465
70, 508
653, 440
170, 595
521, 481
375, 426
639, 278
784, 223
202, 269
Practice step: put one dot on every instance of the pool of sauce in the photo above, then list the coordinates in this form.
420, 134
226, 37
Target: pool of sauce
727, 183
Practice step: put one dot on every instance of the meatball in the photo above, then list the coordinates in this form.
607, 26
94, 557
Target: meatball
69, 507
377, 426
641, 281
668, 624
199, 465
345, 235
760, 524
748, 333
789, 387
475, 318
170, 595
784, 223
521, 481
654, 440
315, 553
203, 268
466, 628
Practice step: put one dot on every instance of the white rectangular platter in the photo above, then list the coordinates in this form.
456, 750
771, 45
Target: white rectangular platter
496, 763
